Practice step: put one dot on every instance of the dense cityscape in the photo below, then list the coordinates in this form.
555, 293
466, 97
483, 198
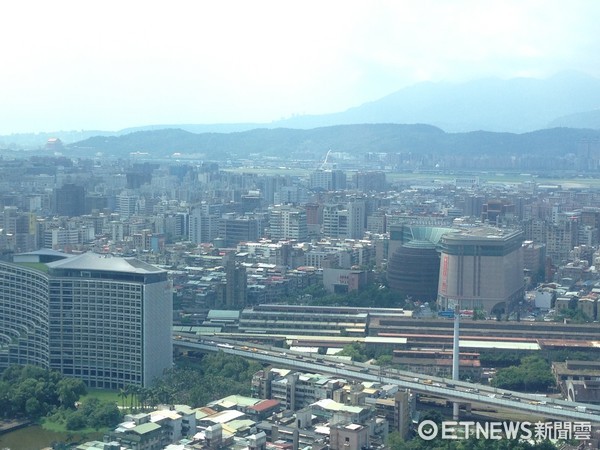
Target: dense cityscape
342, 280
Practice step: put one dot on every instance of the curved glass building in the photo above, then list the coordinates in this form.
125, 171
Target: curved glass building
414, 263
413, 270
103, 319
24, 330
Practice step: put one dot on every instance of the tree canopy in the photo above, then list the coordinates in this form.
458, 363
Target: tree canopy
533, 374
32, 392
219, 375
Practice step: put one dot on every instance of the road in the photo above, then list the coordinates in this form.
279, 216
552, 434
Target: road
537, 406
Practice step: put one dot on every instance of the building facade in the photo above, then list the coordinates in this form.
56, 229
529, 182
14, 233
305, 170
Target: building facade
481, 268
105, 320
24, 330
286, 222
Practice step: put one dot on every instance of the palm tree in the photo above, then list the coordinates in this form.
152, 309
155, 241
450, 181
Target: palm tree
130, 390
134, 396
143, 397
123, 396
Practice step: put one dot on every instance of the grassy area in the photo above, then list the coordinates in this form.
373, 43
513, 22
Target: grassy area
57, 422
103, 395
38, 266
59, 426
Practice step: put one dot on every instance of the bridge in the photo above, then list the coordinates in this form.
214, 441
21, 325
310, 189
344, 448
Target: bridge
455, 391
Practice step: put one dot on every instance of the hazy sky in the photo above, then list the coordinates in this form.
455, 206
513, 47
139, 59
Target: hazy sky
108, 65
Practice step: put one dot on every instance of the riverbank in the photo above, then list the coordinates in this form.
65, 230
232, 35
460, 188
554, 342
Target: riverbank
6, 426
34, 437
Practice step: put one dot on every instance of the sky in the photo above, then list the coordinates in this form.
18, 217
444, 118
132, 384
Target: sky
109, 65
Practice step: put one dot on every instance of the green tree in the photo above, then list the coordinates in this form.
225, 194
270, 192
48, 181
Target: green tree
33, 407
123, 396
532, 374
355, 350
384, 360
479, 314
106, 414
75, 421
69, 391
395, 441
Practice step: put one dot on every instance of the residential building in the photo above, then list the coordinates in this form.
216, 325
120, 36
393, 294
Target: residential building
286, 222
69, 200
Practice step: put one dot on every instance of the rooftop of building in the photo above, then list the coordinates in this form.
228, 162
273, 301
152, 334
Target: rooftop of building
487, 233
101, 262
234, 400
332, 405
224, 416
265, 405
146, 428
223, 314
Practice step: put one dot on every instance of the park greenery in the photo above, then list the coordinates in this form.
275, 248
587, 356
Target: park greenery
37, 394
92, 413
375, 295
533, 374
32, 392
197, 383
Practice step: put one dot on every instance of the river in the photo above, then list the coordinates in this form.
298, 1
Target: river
34, 437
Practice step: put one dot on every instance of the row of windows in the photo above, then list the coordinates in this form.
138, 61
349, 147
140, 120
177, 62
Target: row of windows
87, 285
95, 359
68, 302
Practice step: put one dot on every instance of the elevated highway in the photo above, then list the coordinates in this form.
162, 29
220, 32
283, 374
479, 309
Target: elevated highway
534, 405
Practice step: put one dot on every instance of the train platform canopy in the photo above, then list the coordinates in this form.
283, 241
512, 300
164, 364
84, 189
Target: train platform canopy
223, 314
499, 345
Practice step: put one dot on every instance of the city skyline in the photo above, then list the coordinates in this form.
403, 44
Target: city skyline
72, 66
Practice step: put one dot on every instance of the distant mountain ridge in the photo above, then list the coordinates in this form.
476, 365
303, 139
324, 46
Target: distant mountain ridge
519, 105
588, 119
351, 139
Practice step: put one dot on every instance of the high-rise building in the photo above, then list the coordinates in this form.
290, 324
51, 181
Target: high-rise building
69, 200
236, 284
328, 180
357, 218
345, 220
20, 226
204, 227
561, 237
481, 268
369, 181
414, 269
414, 261
286, 222
335, 220
127, 204
24, 316
239, 229
105, 320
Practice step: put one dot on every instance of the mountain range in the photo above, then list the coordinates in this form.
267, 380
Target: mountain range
516, 105
452, 112
311, 144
